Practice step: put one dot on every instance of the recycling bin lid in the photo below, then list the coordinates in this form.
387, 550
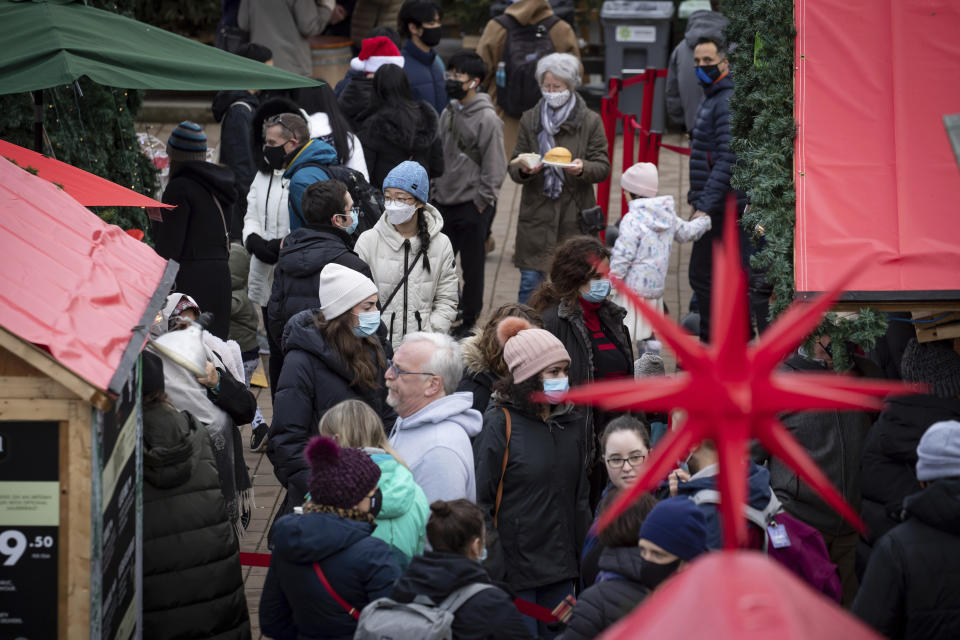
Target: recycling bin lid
636, 9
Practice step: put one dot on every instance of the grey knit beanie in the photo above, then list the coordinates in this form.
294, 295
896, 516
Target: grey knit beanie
649, 364
938, 454
935, 363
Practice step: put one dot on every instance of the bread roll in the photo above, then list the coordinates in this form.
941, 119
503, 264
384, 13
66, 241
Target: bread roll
560, 155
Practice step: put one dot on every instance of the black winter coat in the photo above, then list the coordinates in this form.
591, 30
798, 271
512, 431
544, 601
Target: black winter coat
711, 158
296, 278
603, 604
489, 615
196, 235
834, 439
389, 137
890, 456
354, 101
911, 588
544, 513
477, 378
234, 111
192, 582
360, 568
313, 379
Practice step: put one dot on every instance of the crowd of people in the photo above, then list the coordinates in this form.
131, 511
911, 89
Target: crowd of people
433, 476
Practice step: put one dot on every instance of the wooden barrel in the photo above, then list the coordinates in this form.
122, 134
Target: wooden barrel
330, 56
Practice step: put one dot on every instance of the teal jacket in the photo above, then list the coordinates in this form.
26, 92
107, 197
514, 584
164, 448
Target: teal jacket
302, 172
402, 521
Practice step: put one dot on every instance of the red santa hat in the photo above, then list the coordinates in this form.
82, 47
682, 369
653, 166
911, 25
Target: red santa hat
376, 52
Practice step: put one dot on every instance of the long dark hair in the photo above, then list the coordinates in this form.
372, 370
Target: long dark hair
391, 90
518, 394
573, 266
323, 99
424, 235
354, 350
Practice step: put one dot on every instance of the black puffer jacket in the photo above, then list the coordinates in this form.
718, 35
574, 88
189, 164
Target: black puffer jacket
389, 137
890, 456
834, 439
603, 604
192, 582
313, 379
296, 278
234, 111
488, 615
354, 100
711, 158
477, 378
911, 588
544, 512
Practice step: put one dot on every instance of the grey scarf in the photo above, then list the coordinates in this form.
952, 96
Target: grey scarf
550, 121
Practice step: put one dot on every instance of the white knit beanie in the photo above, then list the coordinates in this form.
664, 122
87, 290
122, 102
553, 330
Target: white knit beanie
641, 179
342, 288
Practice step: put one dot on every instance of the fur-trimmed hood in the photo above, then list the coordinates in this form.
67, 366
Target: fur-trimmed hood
473, 358
385, 129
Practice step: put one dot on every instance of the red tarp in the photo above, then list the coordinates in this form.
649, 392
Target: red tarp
738, 595
875, 173
86, 188
70, 283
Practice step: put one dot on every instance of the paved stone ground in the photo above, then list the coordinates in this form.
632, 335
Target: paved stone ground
502, 281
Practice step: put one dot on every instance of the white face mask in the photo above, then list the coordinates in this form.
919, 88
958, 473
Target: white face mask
558, 99
398, 212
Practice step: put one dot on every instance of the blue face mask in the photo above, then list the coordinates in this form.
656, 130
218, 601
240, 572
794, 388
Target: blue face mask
354, 221
599, 290
369, 322
708, 74
554, 386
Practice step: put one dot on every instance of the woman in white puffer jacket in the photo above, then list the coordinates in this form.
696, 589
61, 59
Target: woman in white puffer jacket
408, 239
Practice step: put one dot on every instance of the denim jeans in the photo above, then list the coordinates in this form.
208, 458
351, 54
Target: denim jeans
549, 596
529, 281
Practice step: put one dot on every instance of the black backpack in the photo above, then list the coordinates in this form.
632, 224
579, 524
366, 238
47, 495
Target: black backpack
525, 45
365, 196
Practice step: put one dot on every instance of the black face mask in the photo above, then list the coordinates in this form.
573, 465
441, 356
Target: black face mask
652, 574
455, 90
376, 503
708, 74
431, 36
274, 156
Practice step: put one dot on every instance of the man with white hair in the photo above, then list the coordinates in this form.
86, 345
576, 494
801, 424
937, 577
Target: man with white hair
436, 423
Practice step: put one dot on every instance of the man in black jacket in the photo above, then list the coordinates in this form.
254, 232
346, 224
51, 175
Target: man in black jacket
911, 588
711, 164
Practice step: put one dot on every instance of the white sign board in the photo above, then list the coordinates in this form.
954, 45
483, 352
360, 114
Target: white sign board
636, 33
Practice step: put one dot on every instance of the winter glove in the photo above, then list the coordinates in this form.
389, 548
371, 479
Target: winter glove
273, 248
260, 248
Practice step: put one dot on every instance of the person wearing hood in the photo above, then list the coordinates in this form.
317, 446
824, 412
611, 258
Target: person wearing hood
641, 254
288, 146
493, 41
196, 233
397, 128
330, 354
456, 534
672, 535
531, 482
911, 588
355, 92
684, 92
483, 361
402, 521
411, 260
419, 23
435, 422
234, 111
186, 529
331, 538
474, 168
326, 238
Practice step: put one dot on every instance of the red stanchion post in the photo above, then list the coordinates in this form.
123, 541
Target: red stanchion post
629, 131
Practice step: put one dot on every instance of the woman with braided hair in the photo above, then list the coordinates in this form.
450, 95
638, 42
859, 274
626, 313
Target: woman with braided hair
412, 262
330, 538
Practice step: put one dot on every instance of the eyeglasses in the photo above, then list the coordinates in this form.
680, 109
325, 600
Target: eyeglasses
351, 212
273, 121
399, 199
635, 461
397, 371
460, 77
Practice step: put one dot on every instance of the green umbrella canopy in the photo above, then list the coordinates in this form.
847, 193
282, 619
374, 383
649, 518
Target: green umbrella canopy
54, 42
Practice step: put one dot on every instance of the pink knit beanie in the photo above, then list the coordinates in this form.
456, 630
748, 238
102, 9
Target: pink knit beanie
528, 351
641, 180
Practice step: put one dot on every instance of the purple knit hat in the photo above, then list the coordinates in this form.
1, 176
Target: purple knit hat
339, 476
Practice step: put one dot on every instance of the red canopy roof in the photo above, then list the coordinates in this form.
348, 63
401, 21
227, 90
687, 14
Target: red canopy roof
72, 284
742, 595
88, 189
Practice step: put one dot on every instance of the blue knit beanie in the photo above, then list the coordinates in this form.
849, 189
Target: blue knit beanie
187, 142
677, 525
411, 177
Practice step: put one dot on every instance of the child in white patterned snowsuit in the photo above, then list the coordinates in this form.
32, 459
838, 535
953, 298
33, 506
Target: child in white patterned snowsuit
641, 254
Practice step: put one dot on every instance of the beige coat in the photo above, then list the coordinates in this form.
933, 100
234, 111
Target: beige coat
368, 14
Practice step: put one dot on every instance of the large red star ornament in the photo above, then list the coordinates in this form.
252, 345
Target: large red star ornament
732, 391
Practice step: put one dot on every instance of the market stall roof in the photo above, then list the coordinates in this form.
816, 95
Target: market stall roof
48, 43
75, 287
88, 189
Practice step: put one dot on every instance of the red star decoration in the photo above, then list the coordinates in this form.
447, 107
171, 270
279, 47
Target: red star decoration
733, 392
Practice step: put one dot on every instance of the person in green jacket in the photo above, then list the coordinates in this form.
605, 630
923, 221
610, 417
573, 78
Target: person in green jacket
402, 521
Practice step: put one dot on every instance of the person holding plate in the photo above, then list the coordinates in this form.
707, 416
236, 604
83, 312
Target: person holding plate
554, 193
